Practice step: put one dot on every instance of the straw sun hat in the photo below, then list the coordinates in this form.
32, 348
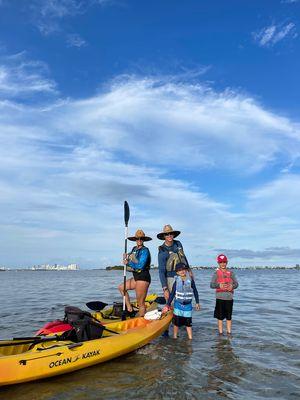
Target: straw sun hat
139, 234
167, 229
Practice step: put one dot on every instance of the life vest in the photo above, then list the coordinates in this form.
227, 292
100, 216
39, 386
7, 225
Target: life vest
184, 292
176, 256
223, 277
134, 256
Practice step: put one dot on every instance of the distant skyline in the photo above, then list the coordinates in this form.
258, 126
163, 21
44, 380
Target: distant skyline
187, 110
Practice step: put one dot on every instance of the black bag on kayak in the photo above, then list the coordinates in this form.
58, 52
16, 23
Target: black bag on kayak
117, 309
85, 326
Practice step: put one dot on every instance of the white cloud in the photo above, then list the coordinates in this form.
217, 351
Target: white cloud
75, 40
279, 197
68, 166
186, 122
20, 76
271, 35
48, 14
60, 8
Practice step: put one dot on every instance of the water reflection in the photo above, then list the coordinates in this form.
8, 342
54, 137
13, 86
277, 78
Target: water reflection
228, 369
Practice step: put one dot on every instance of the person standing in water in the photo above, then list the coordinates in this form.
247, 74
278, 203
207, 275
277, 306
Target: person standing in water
183, 290
224, 281
170, 253
138, 262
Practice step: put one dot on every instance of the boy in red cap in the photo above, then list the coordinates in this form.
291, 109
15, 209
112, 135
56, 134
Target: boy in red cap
224, 281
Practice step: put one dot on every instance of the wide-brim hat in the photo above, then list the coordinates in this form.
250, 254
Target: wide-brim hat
139, 234
167, 229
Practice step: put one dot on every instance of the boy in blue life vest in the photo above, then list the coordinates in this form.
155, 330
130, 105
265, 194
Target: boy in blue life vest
183, 290
224, 281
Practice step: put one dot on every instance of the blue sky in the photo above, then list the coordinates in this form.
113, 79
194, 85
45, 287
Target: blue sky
187, 110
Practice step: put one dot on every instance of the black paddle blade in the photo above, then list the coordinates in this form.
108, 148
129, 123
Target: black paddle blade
96, 305
126, 213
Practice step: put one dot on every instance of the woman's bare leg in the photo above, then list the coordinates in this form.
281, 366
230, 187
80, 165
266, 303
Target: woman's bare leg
141, 289
130, 285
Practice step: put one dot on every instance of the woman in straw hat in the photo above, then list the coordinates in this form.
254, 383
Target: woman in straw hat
138, 262
170, 253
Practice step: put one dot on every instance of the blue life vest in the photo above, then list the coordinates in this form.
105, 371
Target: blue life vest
184, 292
135, 257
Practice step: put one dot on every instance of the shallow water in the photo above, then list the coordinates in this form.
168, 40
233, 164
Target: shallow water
261, 360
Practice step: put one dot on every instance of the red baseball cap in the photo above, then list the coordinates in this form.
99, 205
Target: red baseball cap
222, 258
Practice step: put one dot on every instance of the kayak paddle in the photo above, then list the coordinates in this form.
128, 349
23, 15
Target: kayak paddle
100, 305
96, 305
126, 219
30, 340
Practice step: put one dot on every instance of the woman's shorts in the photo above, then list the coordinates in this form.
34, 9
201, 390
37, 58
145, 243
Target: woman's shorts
182, 321
223, 309
142, 276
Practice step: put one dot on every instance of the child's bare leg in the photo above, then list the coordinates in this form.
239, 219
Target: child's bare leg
175, 331
189, 332
220, 326
228, 326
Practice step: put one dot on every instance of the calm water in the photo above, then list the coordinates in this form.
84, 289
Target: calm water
260, 361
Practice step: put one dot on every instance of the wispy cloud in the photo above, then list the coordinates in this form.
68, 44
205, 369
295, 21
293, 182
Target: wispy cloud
48, 14
289, 1
271, 35
60, 8
75, 40
20, 76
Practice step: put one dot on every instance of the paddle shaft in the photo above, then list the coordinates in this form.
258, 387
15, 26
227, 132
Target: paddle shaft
124, 270
126, 219
35, 340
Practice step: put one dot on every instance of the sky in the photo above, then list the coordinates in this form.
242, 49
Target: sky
188, 110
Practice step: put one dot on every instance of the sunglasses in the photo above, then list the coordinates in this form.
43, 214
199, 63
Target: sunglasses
141, 239
169, 234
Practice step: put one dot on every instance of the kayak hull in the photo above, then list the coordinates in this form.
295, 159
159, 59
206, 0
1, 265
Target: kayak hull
57, 357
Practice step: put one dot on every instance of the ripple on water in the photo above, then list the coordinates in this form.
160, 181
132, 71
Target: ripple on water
259, 361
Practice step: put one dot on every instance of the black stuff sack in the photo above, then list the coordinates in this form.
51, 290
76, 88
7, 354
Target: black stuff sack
85, 326
117, 309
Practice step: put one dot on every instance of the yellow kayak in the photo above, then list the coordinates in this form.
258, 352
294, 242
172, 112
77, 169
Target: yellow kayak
31, 359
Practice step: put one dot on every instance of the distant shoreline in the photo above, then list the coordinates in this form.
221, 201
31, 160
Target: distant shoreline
120, 268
